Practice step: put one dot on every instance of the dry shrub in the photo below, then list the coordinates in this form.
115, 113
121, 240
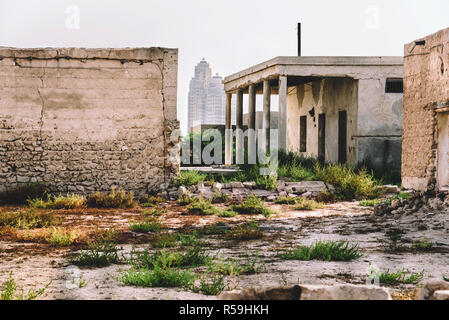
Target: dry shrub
61, 237
27, 219
71, 201
349, 183
113, 199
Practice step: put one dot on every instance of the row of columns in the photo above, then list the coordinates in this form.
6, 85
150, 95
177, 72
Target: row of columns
252, 140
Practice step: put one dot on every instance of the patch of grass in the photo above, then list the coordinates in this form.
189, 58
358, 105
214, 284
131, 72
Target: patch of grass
308, 205
185, 200
71, 201
227, 213
98, 254
151, 213
113, 199
246, 231
27, 219
423, 245
149, 225
150, 201
296, 160
9, 291
60, 237
213, 286
400, 196
252, 205
266, 182
202, 207
217, 228
324, 251
296, 167
220, 197
20, 195
349, 184
192, 258
286, 200
369, 203
165, 240
296, 173
236, 267
191, 239
158, 277
190, 178
399, 277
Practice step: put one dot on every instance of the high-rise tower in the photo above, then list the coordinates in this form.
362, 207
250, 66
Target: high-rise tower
207, 99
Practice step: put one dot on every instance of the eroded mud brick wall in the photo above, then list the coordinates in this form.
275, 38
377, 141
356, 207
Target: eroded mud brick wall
84, 120
426, 93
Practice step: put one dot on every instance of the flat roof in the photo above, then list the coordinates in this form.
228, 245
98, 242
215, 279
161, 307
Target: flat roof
315, 66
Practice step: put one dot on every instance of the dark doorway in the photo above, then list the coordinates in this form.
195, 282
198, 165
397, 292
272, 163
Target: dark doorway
342, 136
303, 134
322, 138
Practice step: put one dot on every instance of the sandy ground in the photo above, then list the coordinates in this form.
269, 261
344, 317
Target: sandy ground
36, 264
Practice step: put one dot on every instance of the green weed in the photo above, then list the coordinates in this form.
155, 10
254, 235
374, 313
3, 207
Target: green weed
9, 291
252, 205
324, 251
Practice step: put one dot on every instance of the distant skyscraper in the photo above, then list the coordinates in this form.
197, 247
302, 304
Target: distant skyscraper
207, 98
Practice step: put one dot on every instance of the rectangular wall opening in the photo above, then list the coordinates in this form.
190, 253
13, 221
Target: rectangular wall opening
443, 150
394, 85
322, 138
342, 136
303, 134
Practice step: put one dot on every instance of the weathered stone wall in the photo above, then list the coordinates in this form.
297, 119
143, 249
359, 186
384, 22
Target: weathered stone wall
426, 93
84, 120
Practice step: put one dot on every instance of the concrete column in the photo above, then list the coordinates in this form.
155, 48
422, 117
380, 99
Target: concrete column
266, 112
282, 121
228, 130
239, 138
252, 151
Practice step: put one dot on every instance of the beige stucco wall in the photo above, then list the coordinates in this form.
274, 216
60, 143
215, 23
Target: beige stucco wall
328, 96
379, 122
426, 85
84, 120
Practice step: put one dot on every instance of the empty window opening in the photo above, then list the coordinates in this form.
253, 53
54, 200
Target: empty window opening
303, 134
394, 86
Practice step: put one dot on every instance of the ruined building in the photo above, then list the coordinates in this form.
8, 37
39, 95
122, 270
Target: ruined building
425, 161
84, 120
339, 109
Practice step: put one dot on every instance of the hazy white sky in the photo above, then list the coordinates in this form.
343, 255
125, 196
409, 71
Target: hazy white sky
230, 34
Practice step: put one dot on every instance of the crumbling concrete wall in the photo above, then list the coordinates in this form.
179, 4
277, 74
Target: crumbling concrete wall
374, 117
84, 120
328, 96
379, 121
426, 94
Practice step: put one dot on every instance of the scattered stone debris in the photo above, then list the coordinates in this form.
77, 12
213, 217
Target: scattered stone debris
240, 190
434, 290
419, 201
307, 292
